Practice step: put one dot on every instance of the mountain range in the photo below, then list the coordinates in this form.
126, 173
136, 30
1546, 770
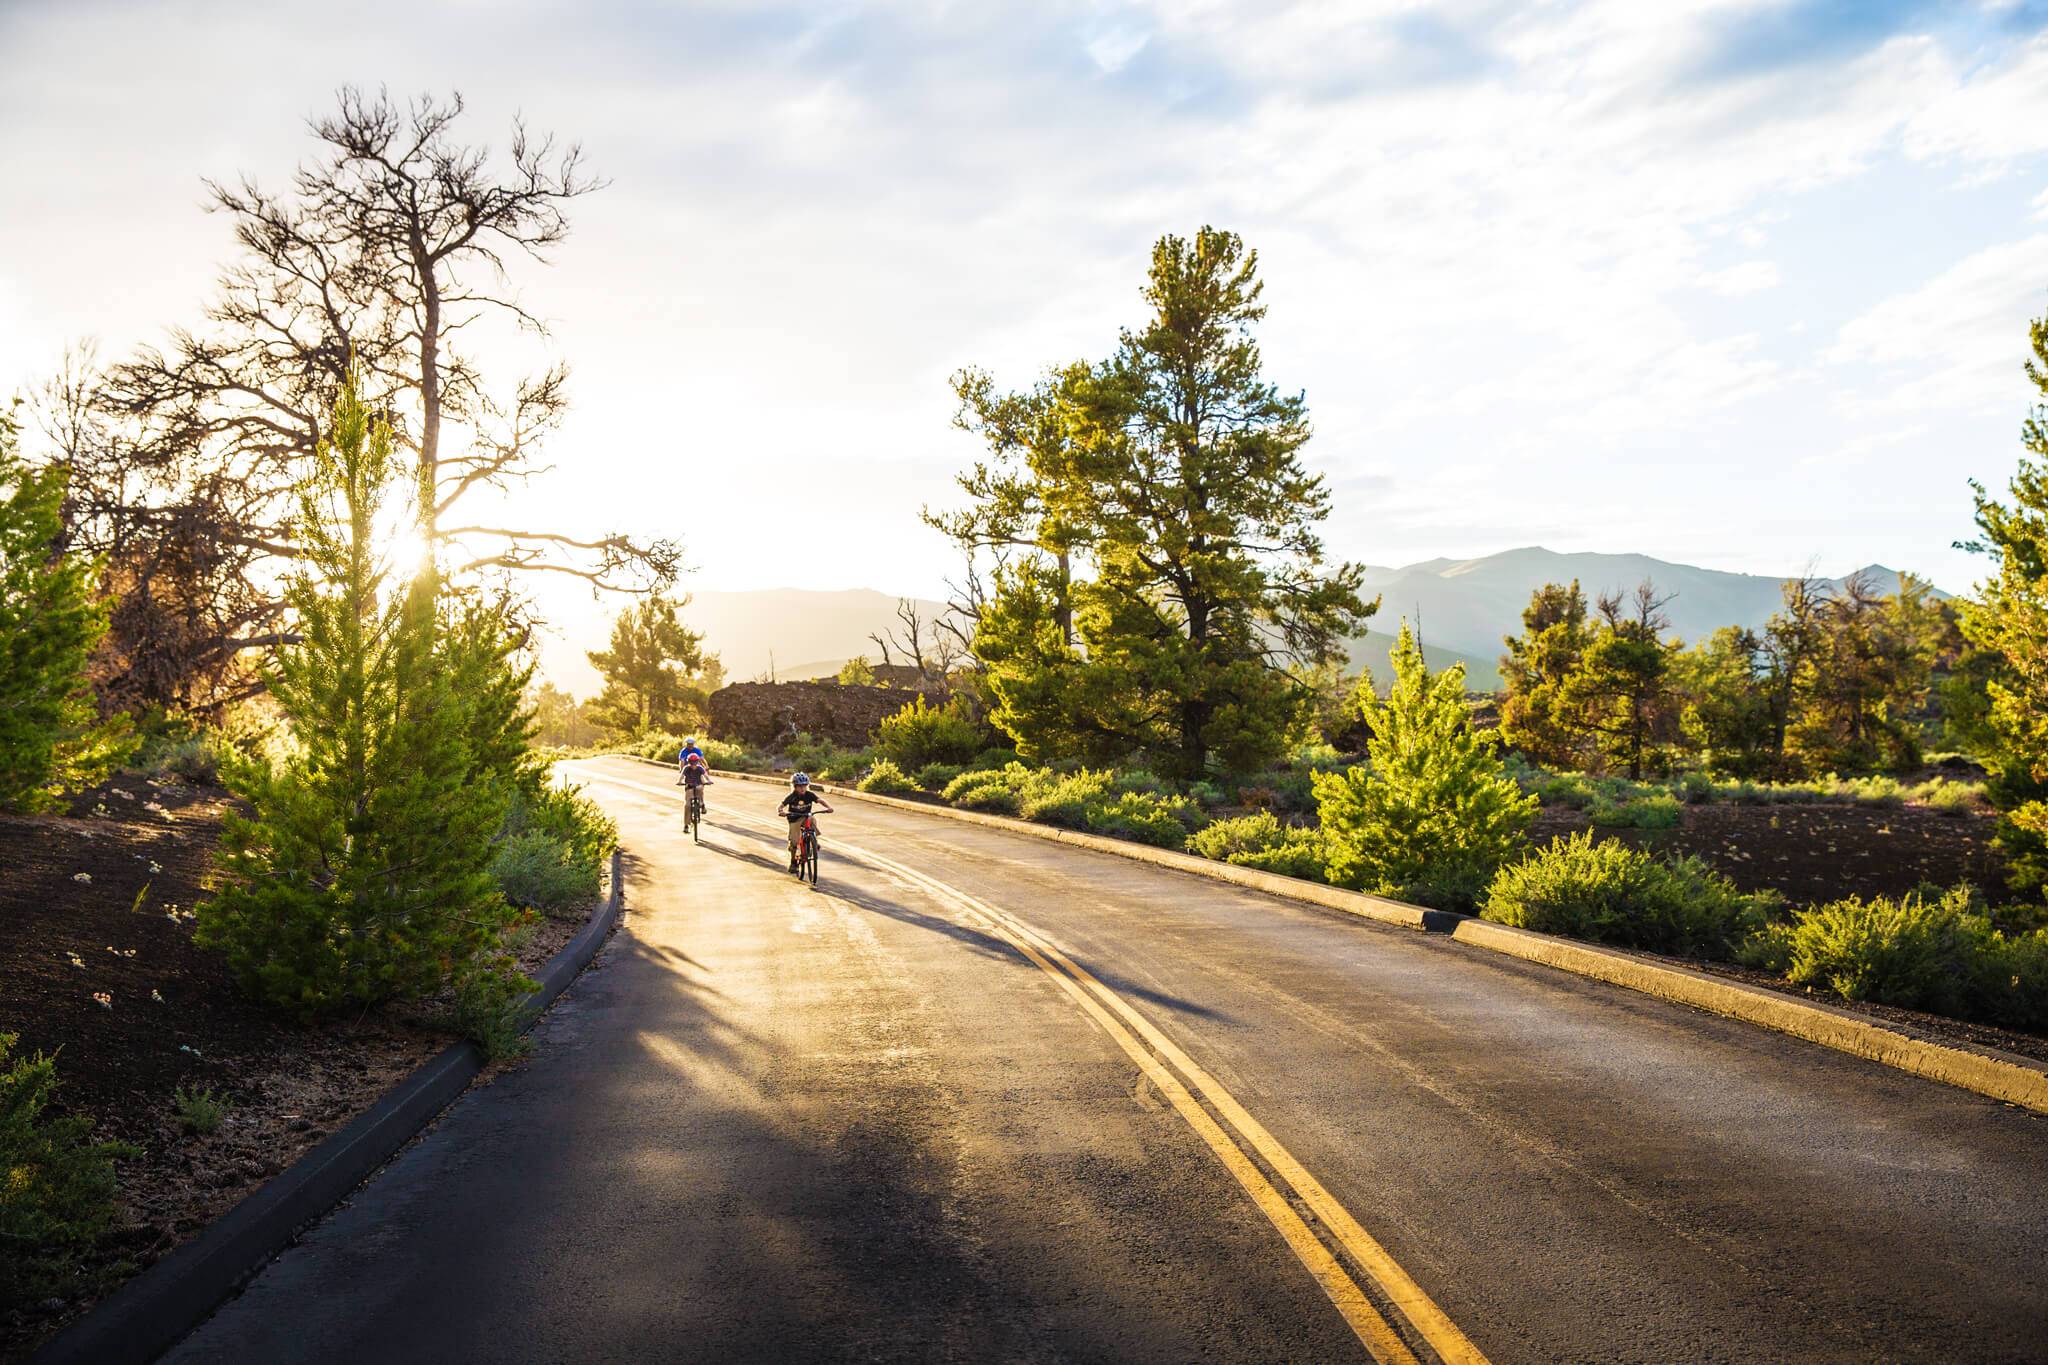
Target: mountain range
1463, 608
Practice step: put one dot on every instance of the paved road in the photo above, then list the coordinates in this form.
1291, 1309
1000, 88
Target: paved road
981, 1097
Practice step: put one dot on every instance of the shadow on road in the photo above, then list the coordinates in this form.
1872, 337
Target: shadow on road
980, 940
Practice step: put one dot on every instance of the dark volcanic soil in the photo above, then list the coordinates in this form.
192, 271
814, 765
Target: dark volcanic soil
1815, 853
98, 967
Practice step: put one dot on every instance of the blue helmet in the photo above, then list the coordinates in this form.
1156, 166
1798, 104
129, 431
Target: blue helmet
800, 780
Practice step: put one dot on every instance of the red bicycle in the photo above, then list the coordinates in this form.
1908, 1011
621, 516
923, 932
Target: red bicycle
807, 851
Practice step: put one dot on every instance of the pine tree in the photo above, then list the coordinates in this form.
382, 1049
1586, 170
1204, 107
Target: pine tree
50, 736
1726, 714
1432, 814
2010, 618
1169, 581
656, 674
1858, 703
362, 874
1551, 647
1622, 694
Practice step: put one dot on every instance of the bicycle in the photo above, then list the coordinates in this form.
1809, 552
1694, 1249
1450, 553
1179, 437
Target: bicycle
693, 814
807, 852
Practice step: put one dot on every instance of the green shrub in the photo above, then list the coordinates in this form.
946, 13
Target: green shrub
887, 779
1254, 833
823, 758
579, 823
995, 789
1919, 950
1948, 798
1205, 794
1573, 791
1875, 791
1642, 812
994, 758
922, 734
1082, 799
848, 764
193, 758
1142, 780
1694, 789
1608, 891
731, 756
57, 1194
936, 777
493, 1012
536, 869
1260, 841
2018, 981
1435, 814
1054, 798
199, 1110
1301, 853
1162, 821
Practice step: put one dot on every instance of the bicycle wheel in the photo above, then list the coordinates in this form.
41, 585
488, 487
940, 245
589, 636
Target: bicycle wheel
809, 871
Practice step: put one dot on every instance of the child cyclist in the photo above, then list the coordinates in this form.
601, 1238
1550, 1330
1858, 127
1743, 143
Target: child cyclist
696, 777
796, 808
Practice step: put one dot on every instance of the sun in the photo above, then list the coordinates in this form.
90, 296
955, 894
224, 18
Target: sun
401, 545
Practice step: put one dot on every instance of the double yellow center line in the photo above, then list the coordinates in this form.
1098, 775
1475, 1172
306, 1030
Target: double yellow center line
1178, 1077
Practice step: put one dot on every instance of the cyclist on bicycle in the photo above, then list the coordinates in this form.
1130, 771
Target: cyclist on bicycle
796, 808
696, 777
683, 758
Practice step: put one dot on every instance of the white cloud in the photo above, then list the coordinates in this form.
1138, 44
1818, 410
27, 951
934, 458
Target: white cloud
1113, 48
1746, 277
1996, 117
1954, 342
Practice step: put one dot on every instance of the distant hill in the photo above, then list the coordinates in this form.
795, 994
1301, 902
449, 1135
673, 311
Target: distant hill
1464, 607
1468, 605
793, 632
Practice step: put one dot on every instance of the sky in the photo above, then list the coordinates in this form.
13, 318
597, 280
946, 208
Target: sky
1741, 283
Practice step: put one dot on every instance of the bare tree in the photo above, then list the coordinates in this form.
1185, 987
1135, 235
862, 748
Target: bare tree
933, 651
383, 251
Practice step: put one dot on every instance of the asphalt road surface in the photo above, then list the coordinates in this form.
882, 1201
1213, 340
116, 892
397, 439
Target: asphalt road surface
982, 1097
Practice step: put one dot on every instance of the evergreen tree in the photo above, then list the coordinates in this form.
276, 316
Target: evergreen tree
1622, 694
656, 674
50, 736
1551, 647
1860, 701
1726, 713
1432, 814
1790, 642
1170, 474
559, 718
2010, 619
362, 874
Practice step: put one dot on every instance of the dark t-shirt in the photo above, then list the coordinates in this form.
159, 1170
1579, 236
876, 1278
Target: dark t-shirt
693, 776
797, 805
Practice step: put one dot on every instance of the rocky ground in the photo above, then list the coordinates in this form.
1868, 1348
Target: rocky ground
98, 967
1820, 852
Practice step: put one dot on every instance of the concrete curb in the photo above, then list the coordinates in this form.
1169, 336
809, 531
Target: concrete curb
2001, 1075
153, 1311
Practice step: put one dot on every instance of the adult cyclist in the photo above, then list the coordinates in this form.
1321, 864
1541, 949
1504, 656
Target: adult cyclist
683, 758
796, 808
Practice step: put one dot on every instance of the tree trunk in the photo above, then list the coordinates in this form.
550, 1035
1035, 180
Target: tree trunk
430, 384
1063, 605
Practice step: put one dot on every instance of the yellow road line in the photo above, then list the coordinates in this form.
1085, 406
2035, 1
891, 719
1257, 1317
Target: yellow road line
1099, 1001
